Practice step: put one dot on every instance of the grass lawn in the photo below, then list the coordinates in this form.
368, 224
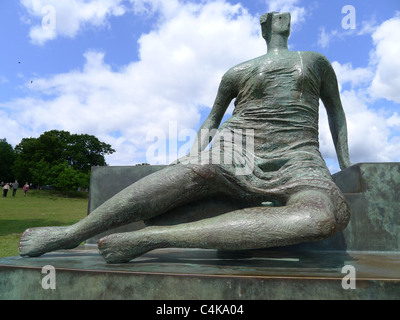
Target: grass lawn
37, 209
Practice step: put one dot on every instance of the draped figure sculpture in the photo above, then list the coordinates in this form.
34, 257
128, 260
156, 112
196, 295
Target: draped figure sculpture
277, 99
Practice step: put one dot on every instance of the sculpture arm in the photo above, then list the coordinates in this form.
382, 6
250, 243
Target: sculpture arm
209, 127
337, 120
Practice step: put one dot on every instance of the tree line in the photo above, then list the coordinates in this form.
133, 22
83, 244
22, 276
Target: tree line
57, 158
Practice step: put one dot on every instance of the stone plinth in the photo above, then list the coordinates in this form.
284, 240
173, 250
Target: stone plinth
373, 193
370, 244
192, 274
107, 181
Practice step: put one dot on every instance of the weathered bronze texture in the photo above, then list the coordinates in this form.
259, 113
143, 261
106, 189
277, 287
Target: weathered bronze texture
286, 192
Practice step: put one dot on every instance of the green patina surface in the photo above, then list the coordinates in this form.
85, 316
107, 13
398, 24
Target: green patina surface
373, 193
203, 274
276, 98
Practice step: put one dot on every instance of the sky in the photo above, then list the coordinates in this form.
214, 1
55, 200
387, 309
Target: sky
142, 75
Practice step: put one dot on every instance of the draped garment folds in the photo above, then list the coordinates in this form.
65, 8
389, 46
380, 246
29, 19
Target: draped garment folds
269, 147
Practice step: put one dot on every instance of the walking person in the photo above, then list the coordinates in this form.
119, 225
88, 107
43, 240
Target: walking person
5, 189
15, 187
25, 188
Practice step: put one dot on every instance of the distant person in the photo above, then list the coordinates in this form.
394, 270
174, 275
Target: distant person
5, 189
15, 187
25, 188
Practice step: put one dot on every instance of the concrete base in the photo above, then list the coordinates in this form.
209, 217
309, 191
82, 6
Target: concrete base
192, 274
370, 244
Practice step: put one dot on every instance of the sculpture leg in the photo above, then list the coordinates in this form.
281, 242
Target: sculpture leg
153, 195
308, 216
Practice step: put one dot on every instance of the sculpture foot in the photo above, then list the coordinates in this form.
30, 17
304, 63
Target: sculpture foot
35, 242
123, 247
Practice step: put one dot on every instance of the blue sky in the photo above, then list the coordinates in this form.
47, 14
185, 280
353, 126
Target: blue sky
141, 74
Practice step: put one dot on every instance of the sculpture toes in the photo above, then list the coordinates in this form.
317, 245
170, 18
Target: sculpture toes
118, 248
112, 251
35, 242
28, 244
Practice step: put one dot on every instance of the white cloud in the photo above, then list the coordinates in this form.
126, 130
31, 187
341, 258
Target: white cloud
373, 132
369, 132
181, 63
356, 77
67, 17
39, 35
373, 129
367, 26
298, 13
386, 83
394, 120
369, 135
325, 38
384, 62
167, 7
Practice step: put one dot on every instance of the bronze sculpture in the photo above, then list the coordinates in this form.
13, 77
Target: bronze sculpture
277, 97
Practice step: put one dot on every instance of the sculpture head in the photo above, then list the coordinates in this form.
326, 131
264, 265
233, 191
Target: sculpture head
275, 23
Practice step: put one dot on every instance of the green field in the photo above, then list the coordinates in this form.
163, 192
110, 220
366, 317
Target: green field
37, 209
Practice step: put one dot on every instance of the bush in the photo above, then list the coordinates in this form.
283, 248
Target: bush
60, 176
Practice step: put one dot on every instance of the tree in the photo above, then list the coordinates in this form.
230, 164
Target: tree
67, 178
25, 158
85, 151
7, 158
41, 173
58, 155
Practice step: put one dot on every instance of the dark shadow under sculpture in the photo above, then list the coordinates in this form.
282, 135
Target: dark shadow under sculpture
286, 192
